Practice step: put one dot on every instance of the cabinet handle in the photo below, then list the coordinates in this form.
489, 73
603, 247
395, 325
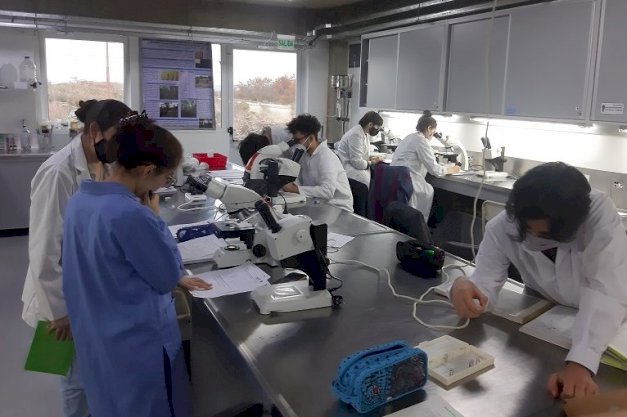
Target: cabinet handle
578, 110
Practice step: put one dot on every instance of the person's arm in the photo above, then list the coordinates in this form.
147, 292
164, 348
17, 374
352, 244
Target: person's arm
603, 301
357, 152
50, 192
152, 252
470, 296
327, 179
427, 157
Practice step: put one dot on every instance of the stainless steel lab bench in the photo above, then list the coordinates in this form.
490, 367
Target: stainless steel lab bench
16, 172
290, 359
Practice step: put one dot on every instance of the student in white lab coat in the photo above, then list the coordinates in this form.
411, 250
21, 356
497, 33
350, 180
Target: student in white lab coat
52, 186
321, 174
354, 148
415, 153
568, 243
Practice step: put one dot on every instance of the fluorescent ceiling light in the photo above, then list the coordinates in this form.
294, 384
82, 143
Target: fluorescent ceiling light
525, 124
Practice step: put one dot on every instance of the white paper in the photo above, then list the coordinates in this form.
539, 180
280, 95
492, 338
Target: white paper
243, 278
174, 229
201, 249
433, 406
336, 240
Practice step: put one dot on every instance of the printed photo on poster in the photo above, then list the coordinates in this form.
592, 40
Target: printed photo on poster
205, 124
168, 92
203, 81
169, 109
188, 108
169, 75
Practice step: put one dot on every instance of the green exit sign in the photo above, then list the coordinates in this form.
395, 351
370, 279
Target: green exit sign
285, 42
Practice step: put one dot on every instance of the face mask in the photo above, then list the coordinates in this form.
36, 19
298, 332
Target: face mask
538, 244
101, 152
374, 131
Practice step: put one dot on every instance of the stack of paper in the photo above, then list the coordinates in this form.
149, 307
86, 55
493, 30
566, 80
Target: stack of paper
244, 278
336, 240
555, 327
201, 249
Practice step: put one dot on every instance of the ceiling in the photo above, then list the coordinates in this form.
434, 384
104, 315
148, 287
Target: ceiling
309, 4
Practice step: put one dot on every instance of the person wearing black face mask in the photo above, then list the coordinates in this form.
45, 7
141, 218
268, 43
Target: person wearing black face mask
354, 148
56, 180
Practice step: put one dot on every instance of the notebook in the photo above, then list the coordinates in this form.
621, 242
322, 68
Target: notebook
201, 249
555, 327
47, 354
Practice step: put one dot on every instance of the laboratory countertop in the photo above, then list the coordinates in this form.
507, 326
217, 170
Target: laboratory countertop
294, 356
34, 154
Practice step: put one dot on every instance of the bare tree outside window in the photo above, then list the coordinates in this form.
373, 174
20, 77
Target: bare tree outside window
81, 70
264, 90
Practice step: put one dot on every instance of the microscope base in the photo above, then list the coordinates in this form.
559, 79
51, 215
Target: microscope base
291, 296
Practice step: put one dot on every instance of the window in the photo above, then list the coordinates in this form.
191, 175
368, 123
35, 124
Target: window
81, 70
264, 90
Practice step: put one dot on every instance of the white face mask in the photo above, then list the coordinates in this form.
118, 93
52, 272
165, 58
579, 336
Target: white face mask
538, 244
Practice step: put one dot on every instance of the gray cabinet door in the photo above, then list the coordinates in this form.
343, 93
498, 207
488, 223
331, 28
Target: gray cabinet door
382, 64
549, 59
420, 69
611, 82
467, 70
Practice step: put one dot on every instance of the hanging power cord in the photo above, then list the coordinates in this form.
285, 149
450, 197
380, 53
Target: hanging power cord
487, 127
416, 301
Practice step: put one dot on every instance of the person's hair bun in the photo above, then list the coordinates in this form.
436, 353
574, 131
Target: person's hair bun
83, 109
427, 113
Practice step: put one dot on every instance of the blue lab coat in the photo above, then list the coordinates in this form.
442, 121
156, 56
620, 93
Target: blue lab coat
120, 264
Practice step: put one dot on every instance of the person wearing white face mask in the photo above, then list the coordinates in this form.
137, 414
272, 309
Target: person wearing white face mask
52, 186
353, 148
321, 175
568, 243
415, 153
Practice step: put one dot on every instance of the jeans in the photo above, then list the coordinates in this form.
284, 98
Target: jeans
73, 395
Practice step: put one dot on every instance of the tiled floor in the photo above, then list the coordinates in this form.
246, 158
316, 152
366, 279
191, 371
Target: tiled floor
22, 394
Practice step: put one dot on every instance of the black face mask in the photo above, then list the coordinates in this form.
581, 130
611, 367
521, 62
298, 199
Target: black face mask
374, 131
101, 152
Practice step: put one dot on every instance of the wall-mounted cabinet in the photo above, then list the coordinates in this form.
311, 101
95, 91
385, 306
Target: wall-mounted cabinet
421, 63
611, 78
382, 68
470, 76
550, 60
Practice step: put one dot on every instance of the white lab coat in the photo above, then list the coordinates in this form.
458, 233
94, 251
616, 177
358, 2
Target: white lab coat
415, 153
323, 177
589, 273
353, 150
56, 180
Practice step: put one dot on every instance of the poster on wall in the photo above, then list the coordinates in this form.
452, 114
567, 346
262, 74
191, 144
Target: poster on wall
177, 83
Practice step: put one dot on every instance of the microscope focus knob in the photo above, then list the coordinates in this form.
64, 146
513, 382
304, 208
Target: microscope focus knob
301, 235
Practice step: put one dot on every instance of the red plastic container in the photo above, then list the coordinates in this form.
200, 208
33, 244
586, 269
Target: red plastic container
216, 161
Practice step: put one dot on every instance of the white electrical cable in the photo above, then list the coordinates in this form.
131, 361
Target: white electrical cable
416, 301
487, 126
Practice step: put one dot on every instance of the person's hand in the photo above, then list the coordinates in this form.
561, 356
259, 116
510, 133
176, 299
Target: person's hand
290, 188
194, 284
453, 170
60, 328
375, 160
151, 200
467, 300
573, 380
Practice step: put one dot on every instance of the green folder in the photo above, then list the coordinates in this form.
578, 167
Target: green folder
47, 354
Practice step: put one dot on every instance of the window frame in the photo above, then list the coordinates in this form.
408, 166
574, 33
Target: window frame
79, 36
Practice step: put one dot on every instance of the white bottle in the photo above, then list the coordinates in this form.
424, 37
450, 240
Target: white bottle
25, 138
28, 71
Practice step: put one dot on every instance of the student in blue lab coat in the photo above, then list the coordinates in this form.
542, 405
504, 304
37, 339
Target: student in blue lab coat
120, 265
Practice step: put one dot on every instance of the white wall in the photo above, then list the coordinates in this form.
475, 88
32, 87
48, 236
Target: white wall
313, 80
598, 147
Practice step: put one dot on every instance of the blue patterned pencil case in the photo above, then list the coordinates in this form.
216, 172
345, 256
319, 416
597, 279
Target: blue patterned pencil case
381, 374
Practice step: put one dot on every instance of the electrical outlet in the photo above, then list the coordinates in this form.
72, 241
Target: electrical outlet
618, 185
